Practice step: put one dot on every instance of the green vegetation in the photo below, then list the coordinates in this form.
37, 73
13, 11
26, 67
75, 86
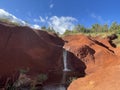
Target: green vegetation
95, 29
49, 29
42, 78
70, 80
26, 83
8, 21
24, 71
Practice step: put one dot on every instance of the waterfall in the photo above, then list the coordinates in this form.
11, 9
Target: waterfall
65, 60
54, 87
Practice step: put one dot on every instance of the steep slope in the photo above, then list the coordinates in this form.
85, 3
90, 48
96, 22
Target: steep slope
92, 51
27, 49
101, 60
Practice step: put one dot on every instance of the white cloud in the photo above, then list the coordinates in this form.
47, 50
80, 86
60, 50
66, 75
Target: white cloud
36, 26
36, 20
42, 19
99, 18
60, 24
93, 15
51, 5
5, 15
46, 17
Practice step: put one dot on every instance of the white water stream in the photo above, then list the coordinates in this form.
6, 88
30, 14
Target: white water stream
65, 61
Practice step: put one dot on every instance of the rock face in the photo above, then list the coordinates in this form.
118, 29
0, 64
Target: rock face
92, 51
22, 48
101, 60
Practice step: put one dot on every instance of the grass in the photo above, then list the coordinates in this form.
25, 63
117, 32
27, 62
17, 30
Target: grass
105, 34
8, 21
101, 34
117, 41
42, 77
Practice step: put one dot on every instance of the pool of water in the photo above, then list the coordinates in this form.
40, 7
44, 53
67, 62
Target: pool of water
54, 87
46, 87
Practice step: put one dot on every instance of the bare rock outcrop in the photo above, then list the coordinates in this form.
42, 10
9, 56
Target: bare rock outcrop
101, 59
22, 48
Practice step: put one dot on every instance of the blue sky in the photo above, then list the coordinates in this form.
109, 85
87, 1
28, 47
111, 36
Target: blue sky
55, 12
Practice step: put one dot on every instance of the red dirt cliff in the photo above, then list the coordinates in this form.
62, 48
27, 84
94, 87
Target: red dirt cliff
101, 59
25, 48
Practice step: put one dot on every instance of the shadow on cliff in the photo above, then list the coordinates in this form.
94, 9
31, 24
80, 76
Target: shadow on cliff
105, 46
40, 51
76, 65
22, 47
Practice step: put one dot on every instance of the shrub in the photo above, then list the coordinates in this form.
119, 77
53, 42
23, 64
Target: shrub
42, 78
8, 21
24, 71
70, 80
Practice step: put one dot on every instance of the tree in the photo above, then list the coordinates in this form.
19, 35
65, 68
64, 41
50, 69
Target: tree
79, 28
105, 28
43, 27
67, 32
114, 26
50, 29
96, 28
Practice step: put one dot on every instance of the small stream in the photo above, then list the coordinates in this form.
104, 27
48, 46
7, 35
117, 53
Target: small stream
60, 86
65, 62
54, 87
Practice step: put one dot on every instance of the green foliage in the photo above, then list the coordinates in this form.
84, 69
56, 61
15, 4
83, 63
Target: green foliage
70, 80
24, 71
4, 20
79, 28
7, 20
50, 29
67, 32
114, 26
24, 85
42, 77
10, 87
95, 29
105, 28
118, 31
43, 27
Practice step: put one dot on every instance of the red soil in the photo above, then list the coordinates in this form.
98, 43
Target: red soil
41, 52
28, 49
101, 60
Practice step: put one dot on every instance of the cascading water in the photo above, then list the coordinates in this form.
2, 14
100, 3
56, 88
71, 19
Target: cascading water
66, 69
65, 60
62, 85
54, 87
